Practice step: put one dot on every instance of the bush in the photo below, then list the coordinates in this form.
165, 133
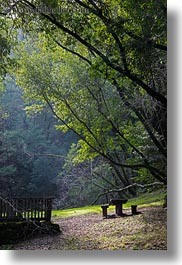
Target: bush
11, 232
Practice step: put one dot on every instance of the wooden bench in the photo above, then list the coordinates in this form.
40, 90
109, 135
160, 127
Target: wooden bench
118, 208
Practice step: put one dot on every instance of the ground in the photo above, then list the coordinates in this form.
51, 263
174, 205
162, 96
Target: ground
147, 230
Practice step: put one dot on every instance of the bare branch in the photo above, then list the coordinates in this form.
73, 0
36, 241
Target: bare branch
128, 187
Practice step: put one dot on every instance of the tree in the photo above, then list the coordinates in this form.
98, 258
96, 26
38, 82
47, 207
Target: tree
123, 44
15, 166
32, 151
89, 107
119, 26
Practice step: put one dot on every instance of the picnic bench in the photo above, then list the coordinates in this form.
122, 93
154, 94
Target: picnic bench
34, 208
118, 208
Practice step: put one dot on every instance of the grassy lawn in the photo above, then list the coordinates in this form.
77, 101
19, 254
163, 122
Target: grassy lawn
146, 199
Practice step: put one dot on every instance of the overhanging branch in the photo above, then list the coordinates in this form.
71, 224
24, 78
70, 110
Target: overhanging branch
133, 77
128, 187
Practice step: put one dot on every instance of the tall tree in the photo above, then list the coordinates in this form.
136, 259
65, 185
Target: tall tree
122, 43
32, 151
89, 106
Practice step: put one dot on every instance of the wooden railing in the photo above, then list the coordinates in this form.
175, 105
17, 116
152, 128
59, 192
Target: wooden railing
26, 209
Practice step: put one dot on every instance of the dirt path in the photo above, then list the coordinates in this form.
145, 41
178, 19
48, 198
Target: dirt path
144, 231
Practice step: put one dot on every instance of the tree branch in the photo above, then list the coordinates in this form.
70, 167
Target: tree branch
100, 152
144, 40
128, 187
73, 52
143, 121
131, 76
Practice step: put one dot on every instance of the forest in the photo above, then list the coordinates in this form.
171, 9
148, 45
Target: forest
83, 100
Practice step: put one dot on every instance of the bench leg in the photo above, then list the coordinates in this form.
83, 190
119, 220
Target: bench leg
104, 211
119, 209
134, 209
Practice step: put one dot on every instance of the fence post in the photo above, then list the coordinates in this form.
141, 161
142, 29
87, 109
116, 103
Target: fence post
48, 210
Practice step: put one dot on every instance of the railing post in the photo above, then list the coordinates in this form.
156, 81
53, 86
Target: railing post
48, 210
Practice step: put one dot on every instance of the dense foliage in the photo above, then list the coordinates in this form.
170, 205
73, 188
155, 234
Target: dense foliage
100, 68
27, 144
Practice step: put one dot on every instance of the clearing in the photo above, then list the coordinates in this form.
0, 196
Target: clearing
85, 229
90, 231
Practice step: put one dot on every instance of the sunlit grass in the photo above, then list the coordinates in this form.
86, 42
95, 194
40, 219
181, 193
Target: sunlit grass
76, 211
144, 200
149, 198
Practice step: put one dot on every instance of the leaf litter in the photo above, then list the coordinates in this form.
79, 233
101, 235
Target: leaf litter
145, 231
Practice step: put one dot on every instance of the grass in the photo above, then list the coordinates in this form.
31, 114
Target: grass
76, 211
149, 198
146, 199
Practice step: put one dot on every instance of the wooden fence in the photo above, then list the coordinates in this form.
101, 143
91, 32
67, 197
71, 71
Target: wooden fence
26, 209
